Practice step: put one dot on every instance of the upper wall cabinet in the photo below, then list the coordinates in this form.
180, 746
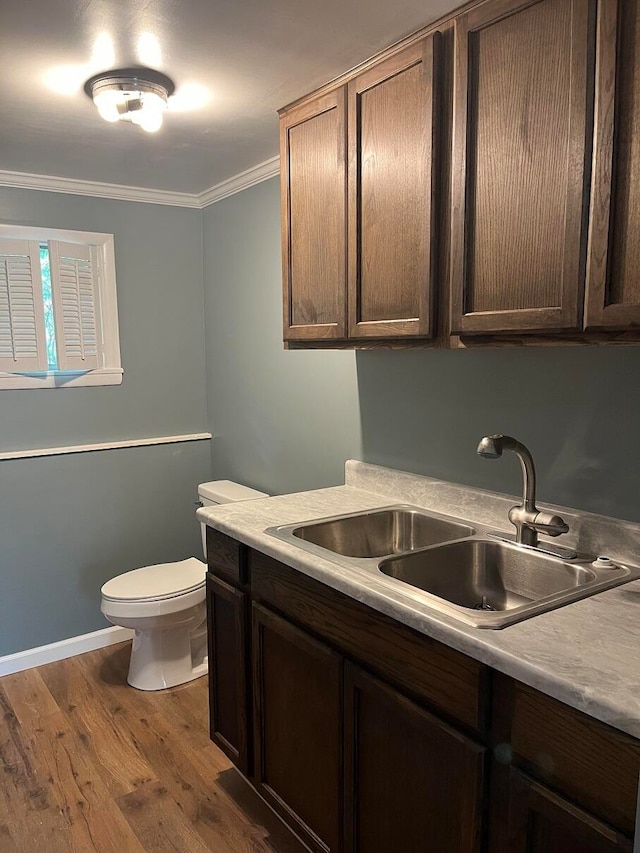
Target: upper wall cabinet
613, 283
390, 184
485, 172
392, 111
520, 165
313, 176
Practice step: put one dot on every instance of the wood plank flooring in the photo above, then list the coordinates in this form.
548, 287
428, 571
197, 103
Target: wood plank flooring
87, 763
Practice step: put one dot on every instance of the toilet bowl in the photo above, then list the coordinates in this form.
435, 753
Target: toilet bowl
165, 607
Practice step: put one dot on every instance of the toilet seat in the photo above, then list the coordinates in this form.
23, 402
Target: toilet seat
158, 583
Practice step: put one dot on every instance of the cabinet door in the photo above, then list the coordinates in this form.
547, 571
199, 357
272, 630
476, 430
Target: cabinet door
229, 698
313, 177
540, 821
392, 119
298, 725
613, 294
520, 165
412, 783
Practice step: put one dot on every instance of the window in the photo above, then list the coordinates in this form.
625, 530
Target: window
58, 309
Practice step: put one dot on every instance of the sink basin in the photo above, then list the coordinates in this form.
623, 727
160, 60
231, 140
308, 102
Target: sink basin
381, 532
487, 575
443, 563
491, 584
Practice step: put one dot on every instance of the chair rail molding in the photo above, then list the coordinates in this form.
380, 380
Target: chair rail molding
104, 445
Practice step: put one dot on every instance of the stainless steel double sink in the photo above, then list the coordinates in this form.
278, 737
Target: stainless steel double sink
451, 566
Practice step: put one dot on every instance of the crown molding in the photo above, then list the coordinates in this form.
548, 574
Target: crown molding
49, 183
96, 189
244, 180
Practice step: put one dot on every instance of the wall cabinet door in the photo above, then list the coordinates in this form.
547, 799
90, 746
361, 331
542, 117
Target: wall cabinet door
613, 284
520, 165
313, 176
412, 783
298, 731
392, 133
540, 821
229, 698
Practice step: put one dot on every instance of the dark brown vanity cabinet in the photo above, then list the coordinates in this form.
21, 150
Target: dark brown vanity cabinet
350, 762
368, 737
347, 759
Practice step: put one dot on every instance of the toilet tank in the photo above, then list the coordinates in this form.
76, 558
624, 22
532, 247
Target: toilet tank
223, 492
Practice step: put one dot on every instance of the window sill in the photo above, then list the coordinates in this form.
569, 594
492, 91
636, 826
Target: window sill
62, 379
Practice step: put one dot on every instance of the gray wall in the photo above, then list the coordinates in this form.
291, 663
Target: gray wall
159, 284
287, 420
576, 408
283, 421
69, 523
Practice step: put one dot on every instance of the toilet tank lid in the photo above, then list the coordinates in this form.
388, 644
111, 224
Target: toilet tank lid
165, 580
225, 491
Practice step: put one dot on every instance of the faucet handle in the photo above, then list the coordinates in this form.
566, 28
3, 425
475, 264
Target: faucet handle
552, 525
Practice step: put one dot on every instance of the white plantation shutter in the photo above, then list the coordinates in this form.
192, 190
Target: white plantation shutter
74, 285
22, 336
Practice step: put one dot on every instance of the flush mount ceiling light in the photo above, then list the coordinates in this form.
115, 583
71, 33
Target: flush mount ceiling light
137, 95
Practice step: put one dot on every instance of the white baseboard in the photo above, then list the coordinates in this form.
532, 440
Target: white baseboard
63, 649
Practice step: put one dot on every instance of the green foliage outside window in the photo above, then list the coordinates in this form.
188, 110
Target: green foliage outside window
47, 298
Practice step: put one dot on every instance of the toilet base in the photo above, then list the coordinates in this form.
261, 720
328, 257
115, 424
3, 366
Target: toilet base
165, 658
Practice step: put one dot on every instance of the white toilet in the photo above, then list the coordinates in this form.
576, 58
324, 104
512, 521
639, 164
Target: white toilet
165, 606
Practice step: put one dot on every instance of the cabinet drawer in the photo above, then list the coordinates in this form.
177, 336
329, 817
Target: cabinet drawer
227, 558
447, 680
594, 765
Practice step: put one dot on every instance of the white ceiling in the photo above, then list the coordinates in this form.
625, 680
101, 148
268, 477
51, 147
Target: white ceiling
248, 57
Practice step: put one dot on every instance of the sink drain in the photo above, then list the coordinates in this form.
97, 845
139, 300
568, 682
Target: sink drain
484, 605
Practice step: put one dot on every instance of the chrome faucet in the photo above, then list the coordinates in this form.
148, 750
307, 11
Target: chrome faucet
526, 517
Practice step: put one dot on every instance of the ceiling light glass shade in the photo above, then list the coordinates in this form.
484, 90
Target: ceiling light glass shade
149, 117
107, 104
136, 95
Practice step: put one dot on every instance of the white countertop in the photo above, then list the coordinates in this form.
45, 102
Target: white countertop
585, 654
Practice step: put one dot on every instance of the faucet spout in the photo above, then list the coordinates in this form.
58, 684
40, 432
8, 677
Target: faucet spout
526, 518
492, 447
